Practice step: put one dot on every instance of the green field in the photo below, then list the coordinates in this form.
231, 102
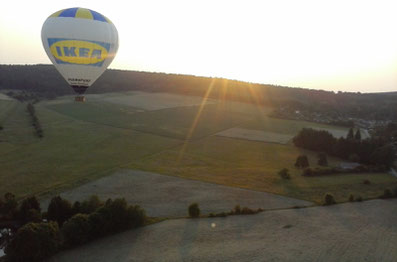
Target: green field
254, 165
84, 141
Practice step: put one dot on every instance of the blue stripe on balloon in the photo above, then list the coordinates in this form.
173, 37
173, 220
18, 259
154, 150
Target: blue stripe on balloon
71, 12
99, 64
98, 16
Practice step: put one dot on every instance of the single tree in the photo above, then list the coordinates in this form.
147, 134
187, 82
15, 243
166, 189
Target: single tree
59, 210
76, 230
357, 136
29, 210
329, 200
350, 135
9, 209
302, 161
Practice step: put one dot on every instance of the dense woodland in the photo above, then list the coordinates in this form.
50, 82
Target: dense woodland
378, 152
28, 234
44, 82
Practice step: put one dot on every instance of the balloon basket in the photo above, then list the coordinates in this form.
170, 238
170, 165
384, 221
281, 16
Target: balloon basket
80, 99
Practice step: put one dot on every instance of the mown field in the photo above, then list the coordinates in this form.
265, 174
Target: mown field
85, 141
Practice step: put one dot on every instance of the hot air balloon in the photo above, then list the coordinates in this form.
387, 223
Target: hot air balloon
81, 43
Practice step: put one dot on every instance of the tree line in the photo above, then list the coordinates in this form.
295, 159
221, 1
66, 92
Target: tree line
376, 151
44, 82
28, 234
35, 121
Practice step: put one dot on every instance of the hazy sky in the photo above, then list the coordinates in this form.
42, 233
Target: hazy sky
333, 45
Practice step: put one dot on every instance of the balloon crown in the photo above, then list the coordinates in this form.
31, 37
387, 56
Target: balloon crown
84, 13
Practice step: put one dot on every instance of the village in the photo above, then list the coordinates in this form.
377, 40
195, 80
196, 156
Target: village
328, 117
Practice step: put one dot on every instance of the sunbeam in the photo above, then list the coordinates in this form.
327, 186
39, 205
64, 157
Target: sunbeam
196, 119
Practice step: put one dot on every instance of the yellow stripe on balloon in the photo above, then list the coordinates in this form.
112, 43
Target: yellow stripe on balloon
56, 14
84, 13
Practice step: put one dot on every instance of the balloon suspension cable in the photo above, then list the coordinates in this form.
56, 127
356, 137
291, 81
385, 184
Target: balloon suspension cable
80, 89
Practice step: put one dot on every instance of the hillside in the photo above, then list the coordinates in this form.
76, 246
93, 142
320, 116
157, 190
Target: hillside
170, 134
46, 82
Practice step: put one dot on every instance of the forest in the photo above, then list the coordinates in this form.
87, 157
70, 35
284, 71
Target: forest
44, 82
376, 151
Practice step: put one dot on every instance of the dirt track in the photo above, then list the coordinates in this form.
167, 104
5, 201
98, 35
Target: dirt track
365, 231
255, 135
168, 196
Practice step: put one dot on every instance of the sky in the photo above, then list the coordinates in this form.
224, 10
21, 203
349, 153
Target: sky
331, 45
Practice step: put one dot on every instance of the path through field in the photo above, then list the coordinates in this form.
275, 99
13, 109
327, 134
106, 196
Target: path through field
363, 231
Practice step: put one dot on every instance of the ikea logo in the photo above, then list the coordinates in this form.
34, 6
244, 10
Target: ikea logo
80, 52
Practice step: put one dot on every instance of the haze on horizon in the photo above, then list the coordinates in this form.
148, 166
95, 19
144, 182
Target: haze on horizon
330, 45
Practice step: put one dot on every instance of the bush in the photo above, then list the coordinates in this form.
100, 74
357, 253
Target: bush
351, 198
76, 230
237, 210
248, 211
307, 172
329, 200
324, 171
59, 210
34, 242
387, 194
284, 174
194, 210
359, 199
395, 192
222, 214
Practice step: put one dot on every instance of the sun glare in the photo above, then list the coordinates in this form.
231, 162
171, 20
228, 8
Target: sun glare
335, 45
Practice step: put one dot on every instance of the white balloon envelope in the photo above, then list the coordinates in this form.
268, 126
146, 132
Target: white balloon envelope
81, 43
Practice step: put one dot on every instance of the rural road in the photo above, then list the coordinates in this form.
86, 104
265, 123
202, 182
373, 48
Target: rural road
168, 196
361, 231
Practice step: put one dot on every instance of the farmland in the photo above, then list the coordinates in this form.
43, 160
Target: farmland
83, 142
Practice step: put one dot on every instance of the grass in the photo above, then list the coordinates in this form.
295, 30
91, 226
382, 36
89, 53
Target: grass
71, 152
83, 142
219, 160
283, 126
171, 122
